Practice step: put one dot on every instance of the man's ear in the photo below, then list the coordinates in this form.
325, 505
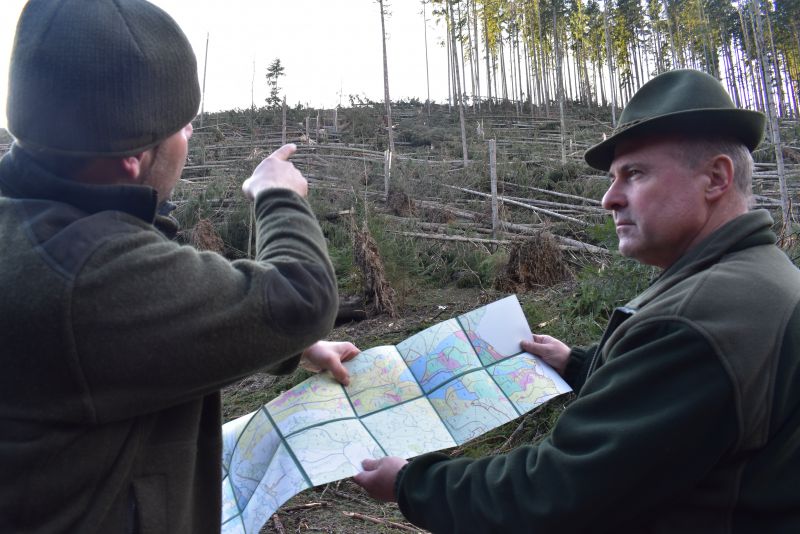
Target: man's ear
132, 166
720, 171
115, 170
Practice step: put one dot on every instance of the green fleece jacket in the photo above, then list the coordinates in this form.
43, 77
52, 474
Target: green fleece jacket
687, 417
115, 342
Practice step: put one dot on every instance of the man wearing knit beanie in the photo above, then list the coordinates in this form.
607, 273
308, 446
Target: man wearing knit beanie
114, 340
687, 415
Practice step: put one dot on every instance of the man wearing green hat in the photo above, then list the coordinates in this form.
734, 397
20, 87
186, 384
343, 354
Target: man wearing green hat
114, 340
687, 416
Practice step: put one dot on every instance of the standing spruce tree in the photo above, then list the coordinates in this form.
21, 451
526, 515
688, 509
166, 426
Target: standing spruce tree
274, 72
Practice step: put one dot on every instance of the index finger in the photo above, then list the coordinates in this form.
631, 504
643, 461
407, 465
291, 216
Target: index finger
339, 373
284, 152
351, 352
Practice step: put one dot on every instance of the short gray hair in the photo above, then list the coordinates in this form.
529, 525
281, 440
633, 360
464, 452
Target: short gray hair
697, 150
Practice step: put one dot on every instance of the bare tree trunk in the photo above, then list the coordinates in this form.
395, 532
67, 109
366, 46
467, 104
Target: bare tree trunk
252, 100
634, 56
283, 121
796, 74
387, 173
534, 59
744, 83
526, 54
557, 45
460, 41
598, 68
704, 37
776, 69
589, 99
512, 66
611, 73
503, 70
656, 40
543, 62
758, 68
493, 185
494, 69
672, 50
388, 102
459, 101
730, 71
471, 60
449, 69
203, 101
512, 53
463, 22
766, 79
488, 66
568, 85
519, 72
754, 79
477, 54
427, 70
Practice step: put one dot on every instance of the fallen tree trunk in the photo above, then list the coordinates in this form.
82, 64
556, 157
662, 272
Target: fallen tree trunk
351, 309
527, 206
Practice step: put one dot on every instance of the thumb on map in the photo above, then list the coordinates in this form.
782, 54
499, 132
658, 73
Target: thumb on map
370, 464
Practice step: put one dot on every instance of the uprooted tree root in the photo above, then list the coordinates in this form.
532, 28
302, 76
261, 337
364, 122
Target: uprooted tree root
205, 237
400, 204
534, 263
368, 260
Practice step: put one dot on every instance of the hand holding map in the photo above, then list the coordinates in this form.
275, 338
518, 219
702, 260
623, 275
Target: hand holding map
439, 388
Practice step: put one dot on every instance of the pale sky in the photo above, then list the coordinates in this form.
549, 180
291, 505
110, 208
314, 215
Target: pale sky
327, 47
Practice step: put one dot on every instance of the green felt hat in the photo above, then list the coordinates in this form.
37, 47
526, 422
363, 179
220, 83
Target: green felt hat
680, 101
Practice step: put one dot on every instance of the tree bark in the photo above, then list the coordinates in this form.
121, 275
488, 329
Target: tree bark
766, 79
611, 73
427, 70
557, 45
459, 101
388, 102
477, 55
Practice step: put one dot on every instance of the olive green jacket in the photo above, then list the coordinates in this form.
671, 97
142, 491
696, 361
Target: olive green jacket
115, 342
687, 417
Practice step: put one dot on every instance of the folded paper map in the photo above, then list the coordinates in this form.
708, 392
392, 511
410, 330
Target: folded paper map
439, 388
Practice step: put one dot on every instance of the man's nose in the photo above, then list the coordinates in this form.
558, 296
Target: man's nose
614, 198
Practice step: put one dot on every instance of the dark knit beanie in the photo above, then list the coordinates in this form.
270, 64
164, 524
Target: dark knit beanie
99, 77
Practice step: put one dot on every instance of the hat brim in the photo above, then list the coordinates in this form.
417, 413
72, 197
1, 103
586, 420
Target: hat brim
742, 124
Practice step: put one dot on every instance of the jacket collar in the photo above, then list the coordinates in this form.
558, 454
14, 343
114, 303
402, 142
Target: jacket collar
748, 230
21, 176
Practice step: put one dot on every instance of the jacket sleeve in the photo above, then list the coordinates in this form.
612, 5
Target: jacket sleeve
577, 366
635, 437
156, 323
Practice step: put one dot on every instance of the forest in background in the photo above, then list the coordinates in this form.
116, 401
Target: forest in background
547, 54
600, 53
